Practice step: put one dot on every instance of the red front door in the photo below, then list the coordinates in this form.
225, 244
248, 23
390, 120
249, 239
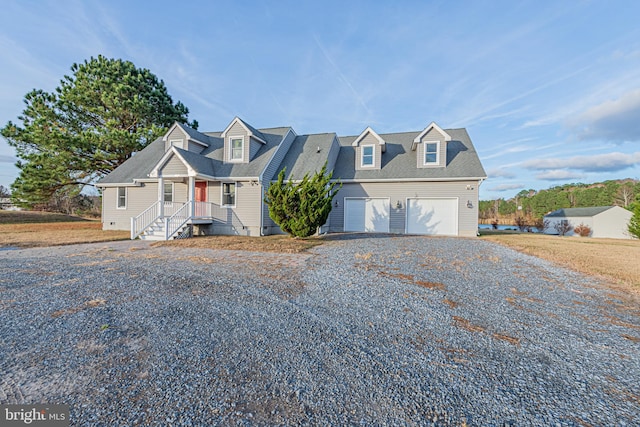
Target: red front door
201, 191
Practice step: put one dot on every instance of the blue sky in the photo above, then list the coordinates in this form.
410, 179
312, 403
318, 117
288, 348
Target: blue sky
548, 90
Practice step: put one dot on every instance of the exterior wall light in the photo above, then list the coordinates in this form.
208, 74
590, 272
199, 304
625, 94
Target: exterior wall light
469, 204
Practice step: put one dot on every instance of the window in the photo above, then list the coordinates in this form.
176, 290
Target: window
228, 194
168, 191
236, 148
367, 155
176, 143
122, 198
430, 153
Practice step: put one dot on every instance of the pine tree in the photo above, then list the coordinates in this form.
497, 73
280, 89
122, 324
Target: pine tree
95, 120
301, 208
634, 223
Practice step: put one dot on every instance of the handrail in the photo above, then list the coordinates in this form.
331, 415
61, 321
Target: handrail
173, 223
144, 220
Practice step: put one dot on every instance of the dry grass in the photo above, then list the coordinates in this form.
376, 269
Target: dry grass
277, 243
23, 217
612, 259
20, 229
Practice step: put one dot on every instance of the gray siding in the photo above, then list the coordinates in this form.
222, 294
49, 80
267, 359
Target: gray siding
248, 203
400, 191
333, 154
236, 130
254, 146
247, 210
175, 134
432, 135
173, 167
377, 152
195, 147
180, 192
278, 156
215, 192
138, 199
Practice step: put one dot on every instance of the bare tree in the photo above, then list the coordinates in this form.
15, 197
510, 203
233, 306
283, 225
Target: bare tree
624, 196
541, 224
563, 227
521, 222
4, 192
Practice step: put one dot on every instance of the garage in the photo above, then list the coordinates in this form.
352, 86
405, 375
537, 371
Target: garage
370, 215
432, 216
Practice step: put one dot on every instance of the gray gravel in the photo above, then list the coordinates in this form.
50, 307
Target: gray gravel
371, 330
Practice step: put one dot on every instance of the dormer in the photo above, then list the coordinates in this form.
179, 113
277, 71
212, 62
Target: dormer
184, 137
241, 142
431, 147
369, 147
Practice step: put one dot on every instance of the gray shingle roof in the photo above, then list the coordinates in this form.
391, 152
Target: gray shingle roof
578, 212
200, 164
399, 161
198, 136
303, 156
254, 168
253, 130
138, 166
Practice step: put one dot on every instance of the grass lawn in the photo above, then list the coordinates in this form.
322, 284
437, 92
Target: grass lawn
275, 243
613, 259
26, 229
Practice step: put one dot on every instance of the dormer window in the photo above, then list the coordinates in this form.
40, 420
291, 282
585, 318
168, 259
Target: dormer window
367, 155
431, 153
236, 149
176, 143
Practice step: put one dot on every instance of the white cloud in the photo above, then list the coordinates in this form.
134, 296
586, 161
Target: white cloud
609, 162
558, 175
500, 172
506, 187
613, 120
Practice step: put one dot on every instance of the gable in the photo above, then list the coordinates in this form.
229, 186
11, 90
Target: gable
184, 137
174, 166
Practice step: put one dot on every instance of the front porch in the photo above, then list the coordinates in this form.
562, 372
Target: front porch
170, 219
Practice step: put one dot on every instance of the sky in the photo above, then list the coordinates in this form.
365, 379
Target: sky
549, 91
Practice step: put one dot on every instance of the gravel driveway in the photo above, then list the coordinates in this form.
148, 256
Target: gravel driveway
372, 330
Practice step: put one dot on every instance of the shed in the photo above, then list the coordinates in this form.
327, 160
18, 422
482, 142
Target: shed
604, 221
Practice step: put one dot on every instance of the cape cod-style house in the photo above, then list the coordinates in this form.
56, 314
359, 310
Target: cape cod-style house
421, 182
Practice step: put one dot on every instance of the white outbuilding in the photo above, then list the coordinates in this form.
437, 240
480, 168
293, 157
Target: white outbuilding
604, 221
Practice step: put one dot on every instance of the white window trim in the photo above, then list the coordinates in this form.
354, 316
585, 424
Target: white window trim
424, 153
126, 197
235, 195
373, 156
173, 189
231, 138
176, 143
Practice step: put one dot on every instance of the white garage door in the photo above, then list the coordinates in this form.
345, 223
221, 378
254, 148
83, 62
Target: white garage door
366, 214
432, 216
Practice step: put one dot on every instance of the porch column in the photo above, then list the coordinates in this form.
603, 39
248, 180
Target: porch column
192, 195
161, 196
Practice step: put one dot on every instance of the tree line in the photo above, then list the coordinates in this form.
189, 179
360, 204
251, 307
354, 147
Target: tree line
532, 205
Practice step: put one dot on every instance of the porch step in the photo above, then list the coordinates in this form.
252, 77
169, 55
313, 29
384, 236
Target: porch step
156, 231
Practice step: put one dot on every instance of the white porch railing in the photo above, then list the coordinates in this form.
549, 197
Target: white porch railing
175, 215
175, 222
144, 220
171, 207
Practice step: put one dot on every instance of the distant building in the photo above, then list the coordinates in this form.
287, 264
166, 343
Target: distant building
7, 205
604, 221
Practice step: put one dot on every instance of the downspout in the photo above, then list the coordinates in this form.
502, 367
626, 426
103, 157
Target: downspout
261, 209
